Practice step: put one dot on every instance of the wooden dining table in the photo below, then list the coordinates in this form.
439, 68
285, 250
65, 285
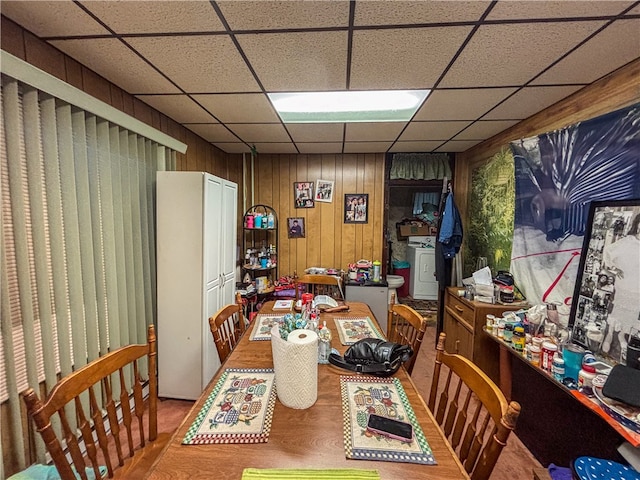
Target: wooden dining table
312, 438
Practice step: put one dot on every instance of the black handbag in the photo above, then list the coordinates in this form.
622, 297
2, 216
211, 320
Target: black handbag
373, 356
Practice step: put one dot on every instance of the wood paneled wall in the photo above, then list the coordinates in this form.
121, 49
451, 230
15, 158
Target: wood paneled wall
328, 242
615, 91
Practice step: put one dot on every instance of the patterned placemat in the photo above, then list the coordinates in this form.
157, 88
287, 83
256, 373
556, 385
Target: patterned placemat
352, 329
386, 397
238, 410
262, 326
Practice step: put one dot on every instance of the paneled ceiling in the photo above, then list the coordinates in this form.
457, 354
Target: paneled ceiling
208, 65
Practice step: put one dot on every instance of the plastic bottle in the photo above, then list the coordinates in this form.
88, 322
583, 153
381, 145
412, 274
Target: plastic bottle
271, 220
518, 340
585, 379
376, 271
557, 368
324, 343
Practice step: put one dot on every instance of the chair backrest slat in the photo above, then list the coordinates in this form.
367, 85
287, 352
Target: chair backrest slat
406, 327
475, 417
73, 400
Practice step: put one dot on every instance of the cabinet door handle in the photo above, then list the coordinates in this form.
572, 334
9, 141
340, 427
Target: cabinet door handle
457, 346
458, 308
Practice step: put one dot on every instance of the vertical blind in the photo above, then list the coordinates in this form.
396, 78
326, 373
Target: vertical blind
77, 239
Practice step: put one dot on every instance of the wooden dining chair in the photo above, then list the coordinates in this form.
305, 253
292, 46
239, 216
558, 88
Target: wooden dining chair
471, 410
320, 285
98, 412
405, 326
227, 327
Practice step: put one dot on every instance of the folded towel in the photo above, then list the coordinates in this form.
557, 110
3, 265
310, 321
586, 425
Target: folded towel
309, 474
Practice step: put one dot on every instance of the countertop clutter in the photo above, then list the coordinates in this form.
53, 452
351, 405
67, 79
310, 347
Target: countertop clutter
574, 369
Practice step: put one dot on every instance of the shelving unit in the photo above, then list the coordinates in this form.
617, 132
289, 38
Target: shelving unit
260, 247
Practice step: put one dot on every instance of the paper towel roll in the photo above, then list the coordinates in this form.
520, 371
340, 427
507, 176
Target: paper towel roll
295, 363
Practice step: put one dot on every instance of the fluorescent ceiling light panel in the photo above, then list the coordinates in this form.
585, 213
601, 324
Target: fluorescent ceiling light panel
349, 106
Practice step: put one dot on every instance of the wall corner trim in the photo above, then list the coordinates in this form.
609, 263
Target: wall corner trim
27, 73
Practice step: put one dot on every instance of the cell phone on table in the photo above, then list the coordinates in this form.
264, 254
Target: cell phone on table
389, 427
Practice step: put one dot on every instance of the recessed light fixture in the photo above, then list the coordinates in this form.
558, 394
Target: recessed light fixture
348, 106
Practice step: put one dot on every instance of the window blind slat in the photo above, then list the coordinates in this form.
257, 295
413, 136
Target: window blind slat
71, 233
85, 232
37, 201
94, 153
53, 188
9, 371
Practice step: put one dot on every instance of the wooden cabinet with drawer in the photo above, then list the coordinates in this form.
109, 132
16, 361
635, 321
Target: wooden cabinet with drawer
463, 322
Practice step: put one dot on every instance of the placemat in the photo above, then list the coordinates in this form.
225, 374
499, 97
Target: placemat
386, 397
238, 410
309, 474
352, 329
262, 326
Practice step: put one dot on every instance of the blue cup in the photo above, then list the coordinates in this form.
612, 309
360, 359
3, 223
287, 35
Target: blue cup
573, 355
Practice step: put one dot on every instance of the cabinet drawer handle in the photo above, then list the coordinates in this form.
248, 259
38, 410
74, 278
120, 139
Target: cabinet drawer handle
458, 308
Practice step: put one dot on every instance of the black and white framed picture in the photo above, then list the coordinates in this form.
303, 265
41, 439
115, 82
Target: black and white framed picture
303, 194
605, 310
324, 191
356, 207
295, 227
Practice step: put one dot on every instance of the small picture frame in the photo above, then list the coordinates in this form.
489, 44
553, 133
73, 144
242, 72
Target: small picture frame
356, 208
303, 194
295, 227
324, 191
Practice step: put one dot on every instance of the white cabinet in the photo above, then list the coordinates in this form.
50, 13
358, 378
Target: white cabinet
196, 215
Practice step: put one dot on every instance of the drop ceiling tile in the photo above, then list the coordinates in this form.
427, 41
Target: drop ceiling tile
461, 104
239, 107
421, 131
403, 13
52, 19
112, 59
553, 9
298, 61
316, 132
615, 46
275, 148
233, 147
457, 146
500, 55
360, 132
212, 132
400, 58
484, 129
366, 147
157, 16
529, 101
260, 132
261, 15
198, 63
418, 146
178, 107
329, 147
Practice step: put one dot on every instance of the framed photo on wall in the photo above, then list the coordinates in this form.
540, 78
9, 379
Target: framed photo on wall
303, 194
324, 191
295, 227
605, 312
356, 207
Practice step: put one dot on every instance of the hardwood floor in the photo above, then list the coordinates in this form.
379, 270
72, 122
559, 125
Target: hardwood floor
515, 462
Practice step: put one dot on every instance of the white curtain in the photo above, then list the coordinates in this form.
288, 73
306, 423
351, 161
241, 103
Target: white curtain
77, 238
